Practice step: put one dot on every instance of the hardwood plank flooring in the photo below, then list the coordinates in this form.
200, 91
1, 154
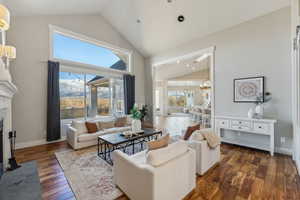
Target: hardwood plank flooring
243, 173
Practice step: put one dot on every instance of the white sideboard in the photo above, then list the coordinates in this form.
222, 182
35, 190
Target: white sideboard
254, 133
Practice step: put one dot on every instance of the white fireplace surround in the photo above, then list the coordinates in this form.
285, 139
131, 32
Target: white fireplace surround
7, 91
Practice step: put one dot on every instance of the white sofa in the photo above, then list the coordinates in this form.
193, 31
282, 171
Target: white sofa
78, 137
164, 174
205, 156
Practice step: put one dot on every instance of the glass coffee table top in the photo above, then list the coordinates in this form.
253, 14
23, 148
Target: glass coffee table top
119, 138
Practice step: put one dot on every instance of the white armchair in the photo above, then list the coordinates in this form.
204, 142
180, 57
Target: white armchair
206, 157
171, 176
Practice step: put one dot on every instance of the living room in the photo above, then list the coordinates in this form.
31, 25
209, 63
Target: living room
79, 106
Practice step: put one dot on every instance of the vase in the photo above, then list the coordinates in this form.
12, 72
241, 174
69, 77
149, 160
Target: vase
251, 113
136, 125
4, 72
259, 111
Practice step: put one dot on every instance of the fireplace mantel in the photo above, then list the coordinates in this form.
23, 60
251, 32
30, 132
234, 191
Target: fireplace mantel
7, 91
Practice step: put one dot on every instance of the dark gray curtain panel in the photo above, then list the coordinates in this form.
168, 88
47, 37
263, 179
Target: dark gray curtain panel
53, 103
129, 92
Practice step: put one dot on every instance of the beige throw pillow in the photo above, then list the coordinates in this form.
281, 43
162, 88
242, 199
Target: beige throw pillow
107, 125
121, 122
128, 120
159, 143
79, 126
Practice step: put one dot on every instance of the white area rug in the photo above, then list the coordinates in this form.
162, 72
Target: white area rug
90, 177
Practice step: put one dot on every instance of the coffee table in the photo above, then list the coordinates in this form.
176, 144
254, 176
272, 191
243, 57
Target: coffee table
111, 142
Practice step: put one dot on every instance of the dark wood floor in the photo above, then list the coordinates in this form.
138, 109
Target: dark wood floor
242, 174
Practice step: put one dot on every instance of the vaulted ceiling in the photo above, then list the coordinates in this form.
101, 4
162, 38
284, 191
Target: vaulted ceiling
151, 25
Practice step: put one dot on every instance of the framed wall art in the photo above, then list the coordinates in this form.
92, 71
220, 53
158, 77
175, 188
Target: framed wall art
249, 90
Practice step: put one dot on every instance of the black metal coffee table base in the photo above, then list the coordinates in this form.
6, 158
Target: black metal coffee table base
107, 146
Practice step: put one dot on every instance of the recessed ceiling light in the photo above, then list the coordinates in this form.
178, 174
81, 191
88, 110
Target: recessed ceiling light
180, 18
178, 61
188, 65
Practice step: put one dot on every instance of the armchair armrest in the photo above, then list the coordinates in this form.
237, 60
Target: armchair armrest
132, 177
72, 135
72, 130
205, 156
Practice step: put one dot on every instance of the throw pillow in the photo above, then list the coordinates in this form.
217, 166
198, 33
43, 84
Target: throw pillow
107, 125
190, 130
79, 126
128, 120
121, 122
159, 143
91, 127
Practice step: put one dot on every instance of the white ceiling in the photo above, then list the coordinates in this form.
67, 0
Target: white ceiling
159, 29
183, 69
55, 7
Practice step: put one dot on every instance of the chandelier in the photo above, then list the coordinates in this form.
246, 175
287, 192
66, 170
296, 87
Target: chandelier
6, 52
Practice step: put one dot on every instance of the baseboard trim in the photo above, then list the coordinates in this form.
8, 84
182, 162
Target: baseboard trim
22, 145
297, 161
282, 150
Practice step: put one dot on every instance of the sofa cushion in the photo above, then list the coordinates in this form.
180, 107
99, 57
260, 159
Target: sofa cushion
128, 120
161, 156
91, 127
160, 143
121, 122
106, 124
79, 126
89, 136
117, 129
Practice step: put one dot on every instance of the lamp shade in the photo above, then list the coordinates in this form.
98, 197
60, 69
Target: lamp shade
8, 51
4, 18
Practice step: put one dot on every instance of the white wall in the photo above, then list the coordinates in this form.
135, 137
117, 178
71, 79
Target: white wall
30, 35
259, 47
295, 14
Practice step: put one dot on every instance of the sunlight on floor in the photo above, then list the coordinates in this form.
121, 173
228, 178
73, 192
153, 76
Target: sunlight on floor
175, 125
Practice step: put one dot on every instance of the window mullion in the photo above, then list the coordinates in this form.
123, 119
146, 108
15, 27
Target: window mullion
84, 93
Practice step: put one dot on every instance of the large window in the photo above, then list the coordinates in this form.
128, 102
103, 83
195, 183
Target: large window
177, 98
72, 95
88, 95
69, 46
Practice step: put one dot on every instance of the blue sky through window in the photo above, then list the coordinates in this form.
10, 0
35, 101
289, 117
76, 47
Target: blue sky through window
75, 50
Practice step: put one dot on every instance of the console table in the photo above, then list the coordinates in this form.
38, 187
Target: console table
254, 133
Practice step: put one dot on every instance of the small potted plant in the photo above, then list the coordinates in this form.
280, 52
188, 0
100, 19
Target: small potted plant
144, 112
261, 100
136, 115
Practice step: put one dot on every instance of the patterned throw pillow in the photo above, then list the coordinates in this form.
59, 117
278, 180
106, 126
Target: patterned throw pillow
91, 127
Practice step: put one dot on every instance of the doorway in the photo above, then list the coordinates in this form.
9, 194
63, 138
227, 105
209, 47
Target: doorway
183, 92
